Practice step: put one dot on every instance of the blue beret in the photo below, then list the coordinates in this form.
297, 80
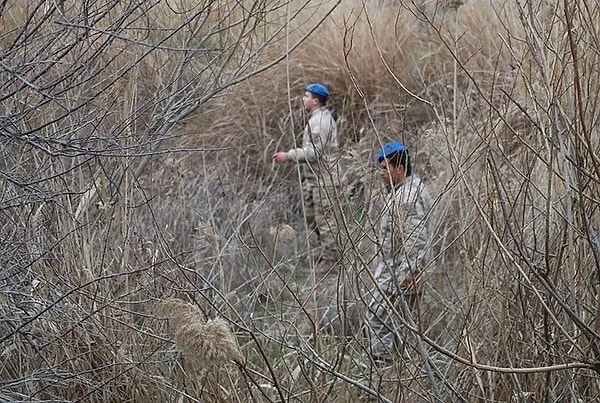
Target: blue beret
389, 149
318, 89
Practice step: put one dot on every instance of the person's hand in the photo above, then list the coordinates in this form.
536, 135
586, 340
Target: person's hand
280, 157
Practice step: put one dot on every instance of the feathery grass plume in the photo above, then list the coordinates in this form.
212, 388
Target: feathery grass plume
283, 232
205, 343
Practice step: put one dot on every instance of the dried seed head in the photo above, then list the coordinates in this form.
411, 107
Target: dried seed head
283, 232
206, 344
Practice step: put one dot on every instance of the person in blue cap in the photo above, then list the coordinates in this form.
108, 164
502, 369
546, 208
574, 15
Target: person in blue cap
319, 142
403, 249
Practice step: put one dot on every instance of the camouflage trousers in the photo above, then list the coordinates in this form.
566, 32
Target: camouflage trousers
320, 208
383, 329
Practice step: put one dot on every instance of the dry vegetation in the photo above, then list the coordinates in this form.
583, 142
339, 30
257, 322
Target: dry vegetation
152, 252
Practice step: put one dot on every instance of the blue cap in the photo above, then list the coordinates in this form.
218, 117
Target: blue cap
389, 149
318, 89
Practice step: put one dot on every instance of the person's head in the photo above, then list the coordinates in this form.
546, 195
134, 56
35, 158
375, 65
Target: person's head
315, 96
394, 163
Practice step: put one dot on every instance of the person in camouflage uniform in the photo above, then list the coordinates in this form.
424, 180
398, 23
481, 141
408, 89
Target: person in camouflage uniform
319, 143
403, 249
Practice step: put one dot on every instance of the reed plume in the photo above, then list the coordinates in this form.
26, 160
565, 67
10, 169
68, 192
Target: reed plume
205, 343
283, 232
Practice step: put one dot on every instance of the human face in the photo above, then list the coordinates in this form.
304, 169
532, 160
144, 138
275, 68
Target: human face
391, 175
310, 101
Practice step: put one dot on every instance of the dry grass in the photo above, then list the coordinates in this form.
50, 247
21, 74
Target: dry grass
137, 176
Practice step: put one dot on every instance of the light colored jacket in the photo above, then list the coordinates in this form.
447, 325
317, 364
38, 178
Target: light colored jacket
320, 137
404, 237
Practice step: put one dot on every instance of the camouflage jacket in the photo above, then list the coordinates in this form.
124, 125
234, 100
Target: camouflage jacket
404, 238
320, 139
